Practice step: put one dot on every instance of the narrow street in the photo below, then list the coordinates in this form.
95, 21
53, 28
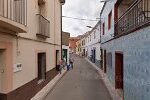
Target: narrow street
81, 83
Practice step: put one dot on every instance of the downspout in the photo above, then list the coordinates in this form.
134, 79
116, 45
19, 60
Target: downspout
61, 33
101, 50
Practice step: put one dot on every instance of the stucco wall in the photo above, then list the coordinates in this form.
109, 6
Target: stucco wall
52, 11
28, 58
93, 43
135, 48
26, 47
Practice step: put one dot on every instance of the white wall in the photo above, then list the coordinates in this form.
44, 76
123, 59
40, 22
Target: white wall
94, 43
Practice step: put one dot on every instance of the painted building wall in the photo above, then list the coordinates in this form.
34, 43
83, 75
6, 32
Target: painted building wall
27, 45
72, 44
136, 63
135, 47
32, 47
109, 33
93, 42
78, 47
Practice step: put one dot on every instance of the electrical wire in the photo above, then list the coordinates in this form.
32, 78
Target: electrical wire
79, 18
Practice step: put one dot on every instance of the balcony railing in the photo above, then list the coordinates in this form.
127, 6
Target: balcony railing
44, 27
14, 10
135, 17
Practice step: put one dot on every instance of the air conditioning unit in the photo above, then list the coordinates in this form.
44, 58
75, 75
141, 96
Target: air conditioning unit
41, 2
62, 2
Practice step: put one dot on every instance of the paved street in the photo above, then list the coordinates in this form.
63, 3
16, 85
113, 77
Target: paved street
81, 83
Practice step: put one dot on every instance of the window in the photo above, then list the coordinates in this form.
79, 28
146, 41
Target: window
109, 20
103, 28
94, 34
90, 37
41, 66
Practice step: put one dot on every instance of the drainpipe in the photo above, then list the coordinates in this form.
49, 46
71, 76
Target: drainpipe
101, 56
62, 2
61, 33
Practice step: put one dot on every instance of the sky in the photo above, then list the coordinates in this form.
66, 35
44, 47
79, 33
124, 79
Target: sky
87, 9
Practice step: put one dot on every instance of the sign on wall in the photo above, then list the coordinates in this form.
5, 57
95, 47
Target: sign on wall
17, 67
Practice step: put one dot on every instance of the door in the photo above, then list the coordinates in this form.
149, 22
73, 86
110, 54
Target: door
65, 54
57, 57
83, 52
2, 65
102, 60
41, 66
119, 71
105, 67
94, 55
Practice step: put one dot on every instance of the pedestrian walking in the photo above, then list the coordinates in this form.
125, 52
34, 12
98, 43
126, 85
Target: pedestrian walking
64, 63
68, 67
71, 60
60, 66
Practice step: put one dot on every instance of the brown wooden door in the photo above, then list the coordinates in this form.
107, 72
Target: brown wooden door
101, 64
41, 66
119, 71
57, 57
2, 67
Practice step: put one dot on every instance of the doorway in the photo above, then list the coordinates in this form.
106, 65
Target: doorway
2, 65
94, 55
42, 66
105, 67
57, 57
119, 71
84, 52
65, 55
102, 60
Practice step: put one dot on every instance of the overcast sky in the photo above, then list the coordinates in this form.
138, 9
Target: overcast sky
88, 9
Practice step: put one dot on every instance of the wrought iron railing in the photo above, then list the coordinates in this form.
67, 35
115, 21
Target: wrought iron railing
44, 26
15, 10
135, 17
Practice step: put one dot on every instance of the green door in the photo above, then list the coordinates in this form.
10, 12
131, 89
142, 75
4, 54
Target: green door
65, 54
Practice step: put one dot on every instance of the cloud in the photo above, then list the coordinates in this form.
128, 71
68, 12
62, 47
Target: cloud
89, 9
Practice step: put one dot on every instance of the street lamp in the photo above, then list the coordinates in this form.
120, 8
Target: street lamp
104, 1
62, 2
89, 26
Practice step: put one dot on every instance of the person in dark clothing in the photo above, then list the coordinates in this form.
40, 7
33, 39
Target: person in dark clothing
71, 63
68, 67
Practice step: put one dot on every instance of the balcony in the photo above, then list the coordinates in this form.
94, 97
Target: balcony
43, 27
135, 17
41, 2
13, 16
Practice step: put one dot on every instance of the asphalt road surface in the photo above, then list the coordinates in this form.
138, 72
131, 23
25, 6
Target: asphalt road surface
81, 83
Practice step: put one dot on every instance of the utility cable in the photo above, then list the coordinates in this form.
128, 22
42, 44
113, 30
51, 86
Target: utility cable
79, 18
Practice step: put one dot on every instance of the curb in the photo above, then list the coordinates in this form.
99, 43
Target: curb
112, 91
49, 87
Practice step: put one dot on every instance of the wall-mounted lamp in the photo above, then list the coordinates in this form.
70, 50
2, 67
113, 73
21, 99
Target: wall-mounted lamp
62, 2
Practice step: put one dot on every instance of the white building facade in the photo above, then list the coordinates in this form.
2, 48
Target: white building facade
92, 45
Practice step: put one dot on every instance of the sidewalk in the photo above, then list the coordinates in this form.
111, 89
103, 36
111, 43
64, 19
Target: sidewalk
49, 87
113, 92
